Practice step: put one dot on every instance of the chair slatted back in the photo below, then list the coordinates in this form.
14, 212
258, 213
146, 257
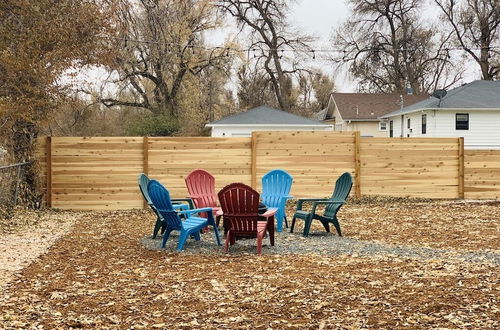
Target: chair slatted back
275, 185
240, 204
161, 200
343, 187
201, 185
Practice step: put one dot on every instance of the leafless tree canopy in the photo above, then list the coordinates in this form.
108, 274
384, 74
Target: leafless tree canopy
475, 25
163, 45
272, 41
388, 49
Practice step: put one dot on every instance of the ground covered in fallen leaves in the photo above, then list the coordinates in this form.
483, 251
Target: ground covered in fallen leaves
102, 275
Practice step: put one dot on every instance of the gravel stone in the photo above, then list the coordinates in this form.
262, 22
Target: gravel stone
319, 243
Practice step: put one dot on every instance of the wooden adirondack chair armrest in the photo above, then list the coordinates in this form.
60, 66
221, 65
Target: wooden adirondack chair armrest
269, 213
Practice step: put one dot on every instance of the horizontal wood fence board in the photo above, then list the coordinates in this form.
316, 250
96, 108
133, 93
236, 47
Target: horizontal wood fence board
171, 159
416, 141
100, 173
482, 174
416, 167
314, 159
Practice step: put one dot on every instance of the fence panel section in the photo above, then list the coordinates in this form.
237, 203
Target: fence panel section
415, 167
171, 159
482, 174
314, 159
96, 173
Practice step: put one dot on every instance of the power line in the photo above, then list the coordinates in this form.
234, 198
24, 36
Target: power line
312, 50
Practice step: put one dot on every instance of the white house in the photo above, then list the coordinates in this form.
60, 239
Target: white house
263, 118
471, 111
361, 111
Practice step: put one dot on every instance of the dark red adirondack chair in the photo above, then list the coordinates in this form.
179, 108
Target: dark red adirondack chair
240, 204
201, 188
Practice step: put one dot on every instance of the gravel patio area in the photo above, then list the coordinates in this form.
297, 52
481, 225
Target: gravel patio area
402, 264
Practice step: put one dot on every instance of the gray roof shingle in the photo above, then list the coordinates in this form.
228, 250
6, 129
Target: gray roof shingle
477, 95
264, 115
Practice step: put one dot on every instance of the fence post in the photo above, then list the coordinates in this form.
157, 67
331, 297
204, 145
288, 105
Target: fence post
18, 177
254, 160
145, 163
357, 164
48, 162
461, 168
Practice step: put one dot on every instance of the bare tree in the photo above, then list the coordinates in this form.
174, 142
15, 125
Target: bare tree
314, 91
162, 45
388, 49
253, 88
272, 40
475, 24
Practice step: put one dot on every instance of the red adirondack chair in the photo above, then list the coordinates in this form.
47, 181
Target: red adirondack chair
240, 204
201, 188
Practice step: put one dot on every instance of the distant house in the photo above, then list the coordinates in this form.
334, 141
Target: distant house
471, 111
263, 118
361, 111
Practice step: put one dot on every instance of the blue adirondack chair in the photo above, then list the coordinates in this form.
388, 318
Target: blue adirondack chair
191, 226
276, 186
143, 187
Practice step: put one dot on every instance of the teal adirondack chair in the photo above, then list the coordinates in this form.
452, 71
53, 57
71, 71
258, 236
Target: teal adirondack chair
276, 186
143, 187
191, 226
333, 204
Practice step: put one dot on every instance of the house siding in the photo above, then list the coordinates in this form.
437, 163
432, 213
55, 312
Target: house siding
246, 131
366, 128
483, 132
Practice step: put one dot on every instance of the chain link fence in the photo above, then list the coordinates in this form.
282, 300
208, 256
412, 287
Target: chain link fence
10, 178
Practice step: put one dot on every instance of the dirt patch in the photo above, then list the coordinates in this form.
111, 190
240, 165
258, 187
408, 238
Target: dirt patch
34, 233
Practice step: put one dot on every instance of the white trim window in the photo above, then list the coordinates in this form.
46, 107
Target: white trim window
382, 126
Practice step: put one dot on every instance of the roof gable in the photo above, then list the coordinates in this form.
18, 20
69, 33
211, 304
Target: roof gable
477, 95
265, 115
369, 106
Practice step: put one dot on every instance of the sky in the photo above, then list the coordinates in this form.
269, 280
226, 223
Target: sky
320, 18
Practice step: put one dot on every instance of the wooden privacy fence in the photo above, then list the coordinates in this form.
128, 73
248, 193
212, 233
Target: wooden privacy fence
101, 172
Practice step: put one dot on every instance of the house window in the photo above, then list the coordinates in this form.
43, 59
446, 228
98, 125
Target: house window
424, 124
391, 128
382, 126
408, 125
462, 121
